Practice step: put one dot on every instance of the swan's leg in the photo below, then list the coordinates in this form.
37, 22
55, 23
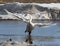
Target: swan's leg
30, 33
25, 31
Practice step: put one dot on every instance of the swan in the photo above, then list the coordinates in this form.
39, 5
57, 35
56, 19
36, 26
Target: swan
31, 25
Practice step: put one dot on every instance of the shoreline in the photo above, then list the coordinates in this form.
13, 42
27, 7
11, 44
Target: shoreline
25, 44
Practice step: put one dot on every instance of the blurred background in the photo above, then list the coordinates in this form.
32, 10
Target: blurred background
30, 1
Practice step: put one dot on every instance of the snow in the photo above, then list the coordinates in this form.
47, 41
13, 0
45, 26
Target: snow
49, 5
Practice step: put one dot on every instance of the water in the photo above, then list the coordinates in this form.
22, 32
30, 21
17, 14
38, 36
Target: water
49, 35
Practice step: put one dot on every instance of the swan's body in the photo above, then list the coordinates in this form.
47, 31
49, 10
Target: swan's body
30, 26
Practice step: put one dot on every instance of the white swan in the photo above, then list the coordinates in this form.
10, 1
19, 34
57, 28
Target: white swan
31, 25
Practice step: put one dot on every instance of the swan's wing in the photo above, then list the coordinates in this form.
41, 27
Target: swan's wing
46, 25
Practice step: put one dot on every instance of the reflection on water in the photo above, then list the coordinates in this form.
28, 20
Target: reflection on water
29, 39
42, 39
16, 31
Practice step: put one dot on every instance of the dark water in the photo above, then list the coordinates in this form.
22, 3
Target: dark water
15, 30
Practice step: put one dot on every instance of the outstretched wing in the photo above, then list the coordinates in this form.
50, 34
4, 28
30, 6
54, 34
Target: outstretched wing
46, 25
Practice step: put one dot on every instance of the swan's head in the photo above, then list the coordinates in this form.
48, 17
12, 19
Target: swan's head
27, 18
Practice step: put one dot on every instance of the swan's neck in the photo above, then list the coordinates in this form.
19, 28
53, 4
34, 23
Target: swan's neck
31, 21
